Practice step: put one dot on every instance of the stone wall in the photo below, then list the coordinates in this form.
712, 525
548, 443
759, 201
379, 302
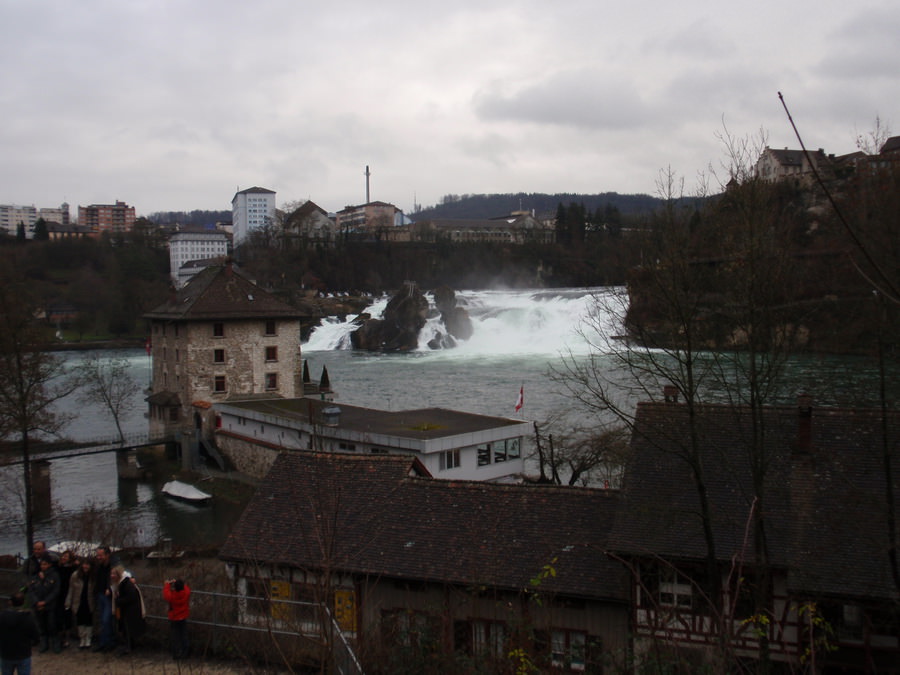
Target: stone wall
250, 458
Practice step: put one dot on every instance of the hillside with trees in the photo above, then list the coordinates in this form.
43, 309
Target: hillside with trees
496, 205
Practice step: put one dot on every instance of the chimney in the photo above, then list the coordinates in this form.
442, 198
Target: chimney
804, 423
670, 393
331, 416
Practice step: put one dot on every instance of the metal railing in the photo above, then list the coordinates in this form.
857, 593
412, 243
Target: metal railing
241, 626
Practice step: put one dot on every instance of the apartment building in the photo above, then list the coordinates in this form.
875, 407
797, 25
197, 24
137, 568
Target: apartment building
112, 218
251, 208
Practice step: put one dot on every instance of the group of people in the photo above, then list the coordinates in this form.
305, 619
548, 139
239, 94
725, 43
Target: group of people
63, 593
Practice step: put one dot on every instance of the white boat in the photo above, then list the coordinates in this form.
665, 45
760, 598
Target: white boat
185, 492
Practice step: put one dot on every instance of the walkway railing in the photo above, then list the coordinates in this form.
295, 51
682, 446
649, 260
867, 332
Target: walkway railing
216, 627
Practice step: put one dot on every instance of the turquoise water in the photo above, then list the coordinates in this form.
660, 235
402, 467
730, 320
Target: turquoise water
519, 337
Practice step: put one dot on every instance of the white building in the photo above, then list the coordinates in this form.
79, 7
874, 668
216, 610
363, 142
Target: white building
192, 245
250, 208
11, 215
450, 444
58, 215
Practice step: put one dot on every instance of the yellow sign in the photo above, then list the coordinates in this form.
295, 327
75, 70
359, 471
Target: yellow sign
280, 590
345, 609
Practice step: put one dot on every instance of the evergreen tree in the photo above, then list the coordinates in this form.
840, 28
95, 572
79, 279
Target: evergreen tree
40, 230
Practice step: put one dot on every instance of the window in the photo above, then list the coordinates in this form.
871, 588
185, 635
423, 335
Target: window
271, 353
500, 452
219, 384
512, 448
173, 414
449, 460
218, 329
270, 326
218, 356
406, 628
675, 589
489, 637
567, 649
484, 454
271, 381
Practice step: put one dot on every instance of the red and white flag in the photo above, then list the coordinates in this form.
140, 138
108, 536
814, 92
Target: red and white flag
521, 400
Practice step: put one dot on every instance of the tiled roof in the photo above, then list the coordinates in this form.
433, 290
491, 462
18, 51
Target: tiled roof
254, 190
375, 518
891, 145
221, 292
823, 498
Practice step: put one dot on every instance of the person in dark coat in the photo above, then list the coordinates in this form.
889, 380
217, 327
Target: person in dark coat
43, 589
18, 634
66, 566
33, 564
129, 605
103, 562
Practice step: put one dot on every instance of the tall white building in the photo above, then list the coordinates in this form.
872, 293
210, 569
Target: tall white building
251, 208
11, 215
190, 245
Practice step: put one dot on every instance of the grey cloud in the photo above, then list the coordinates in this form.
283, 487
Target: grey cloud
585, 98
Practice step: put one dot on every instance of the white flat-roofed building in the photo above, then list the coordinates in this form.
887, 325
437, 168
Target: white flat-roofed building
191, 245
449, 443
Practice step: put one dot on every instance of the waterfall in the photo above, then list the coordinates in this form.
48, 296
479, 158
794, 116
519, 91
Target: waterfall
504, 322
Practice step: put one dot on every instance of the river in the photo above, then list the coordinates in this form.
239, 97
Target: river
519, 336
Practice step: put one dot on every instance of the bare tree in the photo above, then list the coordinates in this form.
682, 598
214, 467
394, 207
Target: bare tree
573, 453
664, 317
31, 378
108, 381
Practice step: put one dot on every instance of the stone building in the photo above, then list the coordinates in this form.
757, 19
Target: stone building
220, 337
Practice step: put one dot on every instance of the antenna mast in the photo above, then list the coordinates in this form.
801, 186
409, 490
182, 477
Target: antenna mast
367, 174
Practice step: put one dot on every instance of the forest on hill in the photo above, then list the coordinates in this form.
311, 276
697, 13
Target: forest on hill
497, 205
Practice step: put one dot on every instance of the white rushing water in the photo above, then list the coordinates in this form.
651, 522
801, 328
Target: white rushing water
504, 323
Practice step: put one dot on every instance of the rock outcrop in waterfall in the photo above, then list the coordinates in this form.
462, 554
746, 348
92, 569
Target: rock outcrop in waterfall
404, 317
398, 330
456, 319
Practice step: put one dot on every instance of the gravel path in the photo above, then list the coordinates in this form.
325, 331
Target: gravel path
73, 662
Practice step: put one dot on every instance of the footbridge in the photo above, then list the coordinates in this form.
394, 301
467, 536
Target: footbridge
183, 443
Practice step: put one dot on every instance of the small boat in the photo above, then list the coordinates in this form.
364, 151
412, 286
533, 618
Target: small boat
185, 492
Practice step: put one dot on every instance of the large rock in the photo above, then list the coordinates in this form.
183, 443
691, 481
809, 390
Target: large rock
455, 319
398, 330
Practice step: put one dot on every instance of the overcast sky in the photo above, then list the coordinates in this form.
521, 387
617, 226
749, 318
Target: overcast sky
174, 105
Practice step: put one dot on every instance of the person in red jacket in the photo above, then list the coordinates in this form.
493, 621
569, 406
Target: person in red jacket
178, 595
